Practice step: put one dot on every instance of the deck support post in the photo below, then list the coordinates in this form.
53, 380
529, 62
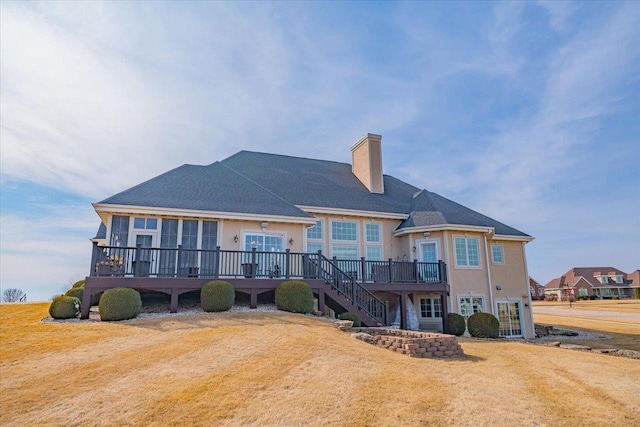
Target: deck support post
86, 303
445, 312
321, 301
173, 307
403, 310
254, 298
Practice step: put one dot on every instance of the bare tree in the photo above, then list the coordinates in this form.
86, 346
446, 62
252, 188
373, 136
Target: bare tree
13, 295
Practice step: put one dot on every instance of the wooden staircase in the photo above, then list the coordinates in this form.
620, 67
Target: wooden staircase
344, 294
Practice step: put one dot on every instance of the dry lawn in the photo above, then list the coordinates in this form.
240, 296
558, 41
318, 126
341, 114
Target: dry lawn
287, 369
618, 318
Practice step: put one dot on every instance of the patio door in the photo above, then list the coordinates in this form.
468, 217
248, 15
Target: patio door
269, 260
510, 318
145, 257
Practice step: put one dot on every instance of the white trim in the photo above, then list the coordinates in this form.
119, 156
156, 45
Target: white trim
349, 212
471, 296
191, 213
455, 257
503, 262
379, 244
520, 312
471, 228
532, 327
525, 239
425, 241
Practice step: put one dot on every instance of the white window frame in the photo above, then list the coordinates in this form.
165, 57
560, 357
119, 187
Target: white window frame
373, 244
493, 259
470, 298
619, 278
466, 245
431, 302
344, 243
313, 240
421, 242
604, 280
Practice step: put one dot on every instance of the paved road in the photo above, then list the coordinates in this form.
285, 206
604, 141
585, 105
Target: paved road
632, 318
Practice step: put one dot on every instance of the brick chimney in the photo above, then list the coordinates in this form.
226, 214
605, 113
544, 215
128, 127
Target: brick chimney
366, 163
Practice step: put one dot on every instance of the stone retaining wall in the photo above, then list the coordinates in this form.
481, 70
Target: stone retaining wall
412, 343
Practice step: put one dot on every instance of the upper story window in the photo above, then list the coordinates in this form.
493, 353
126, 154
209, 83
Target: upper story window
344, 230
373, 240
119, 230
603, 279
145, 223
619, 278
467, 253
497, 257
315, 232
372, 233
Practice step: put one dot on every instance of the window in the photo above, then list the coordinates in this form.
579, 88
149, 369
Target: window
344, 251
583, 292
168, 240
341, 230
209, 234
428, 252
374, 241
471, 305
430, 307
145, 223
315, 232
496, 254
314, 247
119, 230
189, 241
467, 254
603, 279
619, 279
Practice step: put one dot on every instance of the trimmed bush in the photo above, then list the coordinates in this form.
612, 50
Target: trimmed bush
64, 307
456, 324
119, 304
592, 297
294, 296
354, 317
78, 284
483, 325
217, 295
78, 292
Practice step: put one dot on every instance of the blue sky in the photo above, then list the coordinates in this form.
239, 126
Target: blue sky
528, 112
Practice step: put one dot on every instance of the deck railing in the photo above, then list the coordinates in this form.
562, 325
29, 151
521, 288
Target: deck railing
217, 263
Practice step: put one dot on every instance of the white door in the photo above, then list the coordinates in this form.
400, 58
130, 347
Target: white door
510, 318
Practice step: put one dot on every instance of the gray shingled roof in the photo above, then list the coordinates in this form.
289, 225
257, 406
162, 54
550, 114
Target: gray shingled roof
208, 188
270, 184
431, 209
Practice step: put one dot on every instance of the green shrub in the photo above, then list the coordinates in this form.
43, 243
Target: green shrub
615, 297
217, 295
637, 292
483, 325
78, 292
120, 304
78, 284
592, 297
456, 324
354, 317
64, 307
294, 296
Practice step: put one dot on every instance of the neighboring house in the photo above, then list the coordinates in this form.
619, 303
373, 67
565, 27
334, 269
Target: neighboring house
603, 282
365, 242
536, 289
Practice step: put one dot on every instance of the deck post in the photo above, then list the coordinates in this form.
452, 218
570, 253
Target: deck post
216, 265
321, 300
173, 307
445, 312
403, 310
136, 268
386, 313
253, 262
417, 270
363, 267
390, 270
86, 303
94, 259
254, 298
179, 271
287, 264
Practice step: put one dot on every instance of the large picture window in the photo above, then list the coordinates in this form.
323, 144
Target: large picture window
343, 230
467, 253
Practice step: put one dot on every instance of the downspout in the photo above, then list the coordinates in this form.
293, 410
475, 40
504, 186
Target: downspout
445, 244
486, 256
526, 276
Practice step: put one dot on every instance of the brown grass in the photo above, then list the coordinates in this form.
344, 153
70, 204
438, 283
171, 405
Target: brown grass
287, 369
594, 316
